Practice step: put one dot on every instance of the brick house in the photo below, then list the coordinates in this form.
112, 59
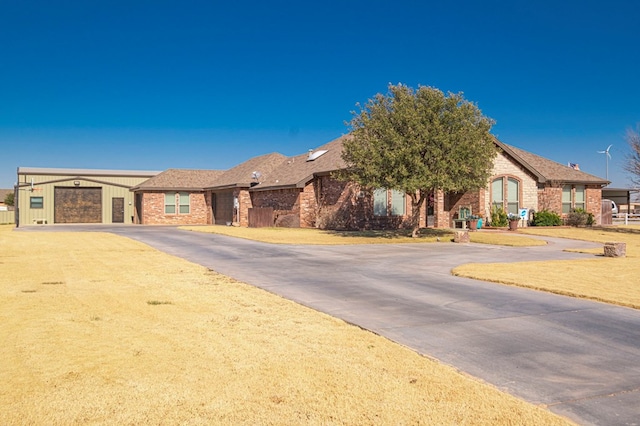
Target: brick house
303, 193
229, 193
175, 197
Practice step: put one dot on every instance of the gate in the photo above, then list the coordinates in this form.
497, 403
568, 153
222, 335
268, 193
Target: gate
607, 215
260, 217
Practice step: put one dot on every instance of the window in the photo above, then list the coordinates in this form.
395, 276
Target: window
381, 205
170, 203
505, 194
513, 194
397, 202
566, 198
497, 194
36, 202
573, 197
579, 198
380, 202
184, 203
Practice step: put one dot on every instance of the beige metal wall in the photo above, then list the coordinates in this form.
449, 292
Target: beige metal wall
43, 186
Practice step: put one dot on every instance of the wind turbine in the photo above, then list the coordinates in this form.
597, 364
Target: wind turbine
608, 156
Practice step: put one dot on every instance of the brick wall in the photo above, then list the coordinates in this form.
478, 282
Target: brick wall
285, 204
594, 202
244, 204
550, 198
153, 210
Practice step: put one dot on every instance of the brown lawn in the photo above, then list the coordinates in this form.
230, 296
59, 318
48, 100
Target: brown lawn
321, 237
99, 329
611, 280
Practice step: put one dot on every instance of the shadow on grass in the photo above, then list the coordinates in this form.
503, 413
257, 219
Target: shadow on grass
425, 233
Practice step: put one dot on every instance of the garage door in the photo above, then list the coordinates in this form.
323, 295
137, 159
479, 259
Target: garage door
77, 205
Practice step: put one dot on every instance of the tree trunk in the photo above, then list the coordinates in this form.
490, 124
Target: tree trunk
416, 204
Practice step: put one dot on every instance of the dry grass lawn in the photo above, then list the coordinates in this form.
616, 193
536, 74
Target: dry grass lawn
611, 280
99, 329
320, 237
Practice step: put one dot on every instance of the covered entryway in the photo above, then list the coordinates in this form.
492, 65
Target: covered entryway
77, 205
223, 207
117, 210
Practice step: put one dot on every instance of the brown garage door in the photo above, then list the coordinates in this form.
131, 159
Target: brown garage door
77, 205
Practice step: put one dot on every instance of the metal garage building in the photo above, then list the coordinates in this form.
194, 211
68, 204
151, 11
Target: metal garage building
46, 196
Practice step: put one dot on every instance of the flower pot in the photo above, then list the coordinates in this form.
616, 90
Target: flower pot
473, 224
513, 225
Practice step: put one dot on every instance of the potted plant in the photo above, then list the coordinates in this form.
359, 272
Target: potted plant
513, 221
472, 222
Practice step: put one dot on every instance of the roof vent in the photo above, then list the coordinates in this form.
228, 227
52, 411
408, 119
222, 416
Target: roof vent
315, 155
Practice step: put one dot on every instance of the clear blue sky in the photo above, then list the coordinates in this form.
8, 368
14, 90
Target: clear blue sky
159, 84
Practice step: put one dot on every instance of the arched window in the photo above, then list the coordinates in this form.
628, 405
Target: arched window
505, 193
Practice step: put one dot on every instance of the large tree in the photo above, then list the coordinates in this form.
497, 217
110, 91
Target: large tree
632, 164
418, 142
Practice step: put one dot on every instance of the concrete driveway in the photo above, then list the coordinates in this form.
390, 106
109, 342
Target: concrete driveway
579, 358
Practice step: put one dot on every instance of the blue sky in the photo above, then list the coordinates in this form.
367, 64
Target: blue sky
152, 85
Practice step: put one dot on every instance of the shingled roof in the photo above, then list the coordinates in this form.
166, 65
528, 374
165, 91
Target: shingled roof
242, 175
296, 171
4, 193
180, 180
547, 170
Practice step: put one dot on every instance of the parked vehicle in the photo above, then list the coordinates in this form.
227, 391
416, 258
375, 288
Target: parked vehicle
614, 207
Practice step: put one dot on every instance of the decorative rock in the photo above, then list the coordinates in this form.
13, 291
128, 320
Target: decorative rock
461, 236
613, 249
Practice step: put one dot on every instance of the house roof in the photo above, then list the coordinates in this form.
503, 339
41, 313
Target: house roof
547, 170
84, 172
180, 180
296, 171
242, 175
4, 193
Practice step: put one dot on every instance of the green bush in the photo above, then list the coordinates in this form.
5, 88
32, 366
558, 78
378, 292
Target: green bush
579, 217
499, 217
546, 218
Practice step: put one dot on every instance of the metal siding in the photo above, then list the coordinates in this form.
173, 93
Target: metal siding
27, 215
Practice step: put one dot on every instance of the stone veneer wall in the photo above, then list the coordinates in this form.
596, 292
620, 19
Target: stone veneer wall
529, 194
153, 210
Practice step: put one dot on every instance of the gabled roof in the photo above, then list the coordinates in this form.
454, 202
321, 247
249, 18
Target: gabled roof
242, 175
296, 171
180, 180
547, 170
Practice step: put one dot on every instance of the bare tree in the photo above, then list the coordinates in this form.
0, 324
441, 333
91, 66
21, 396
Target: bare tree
632, 164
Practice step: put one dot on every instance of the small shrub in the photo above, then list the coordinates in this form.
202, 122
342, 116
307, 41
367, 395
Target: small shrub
578, 217
499, 217
547, 218
158, 302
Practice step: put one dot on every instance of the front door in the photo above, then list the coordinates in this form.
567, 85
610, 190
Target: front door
117, 210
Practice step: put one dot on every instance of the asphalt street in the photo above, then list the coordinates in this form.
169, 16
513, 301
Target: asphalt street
579, 358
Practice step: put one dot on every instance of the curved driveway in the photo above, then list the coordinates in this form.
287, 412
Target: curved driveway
579, 358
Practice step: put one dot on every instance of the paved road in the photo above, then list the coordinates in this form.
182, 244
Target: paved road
580, 358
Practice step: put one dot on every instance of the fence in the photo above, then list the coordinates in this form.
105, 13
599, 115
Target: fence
7, 216
260, 217
626, 218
